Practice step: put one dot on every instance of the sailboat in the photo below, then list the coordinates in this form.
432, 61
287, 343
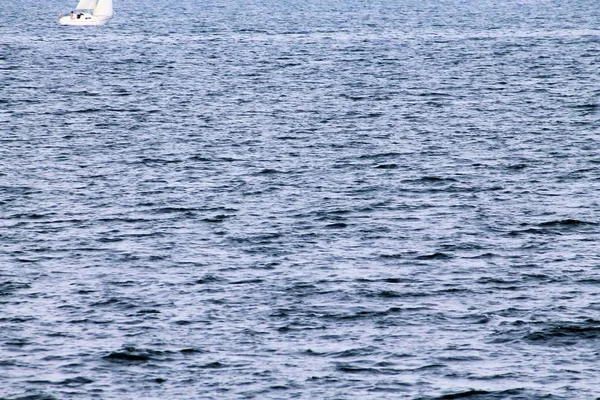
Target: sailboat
89, 12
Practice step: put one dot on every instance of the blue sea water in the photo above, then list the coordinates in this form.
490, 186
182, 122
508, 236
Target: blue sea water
301, 199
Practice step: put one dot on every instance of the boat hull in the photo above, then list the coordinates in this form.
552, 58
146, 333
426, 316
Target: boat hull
84, 20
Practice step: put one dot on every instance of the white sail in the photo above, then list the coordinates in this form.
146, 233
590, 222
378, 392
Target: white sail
86, 4
103, 8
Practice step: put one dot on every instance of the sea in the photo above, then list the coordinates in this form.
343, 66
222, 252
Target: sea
301, 199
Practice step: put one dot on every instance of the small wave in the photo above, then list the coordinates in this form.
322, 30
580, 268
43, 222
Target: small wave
110, 240
89, 110
34, 397
33, 216
217, 218
532, 231
17, 320
354, 369
393, 294
268, 171
392, 256
9, 287
192, 350
171, 210
587, 108
207, 279
75, 382
387, 166
463, 395
487, 280
212, 365
566, 334
337, 225
389, 294
247, 282
122, 356
517, 167
380, 155
567, 223
365, 314
434, 256
148, 311
131, 354
483, 256
349, 353
478, 394
161, 161
212, 159
295, 328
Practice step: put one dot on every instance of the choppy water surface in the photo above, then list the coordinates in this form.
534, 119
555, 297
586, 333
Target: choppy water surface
301, 199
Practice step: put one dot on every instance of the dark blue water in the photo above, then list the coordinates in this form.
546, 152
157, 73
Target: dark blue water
301, 199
